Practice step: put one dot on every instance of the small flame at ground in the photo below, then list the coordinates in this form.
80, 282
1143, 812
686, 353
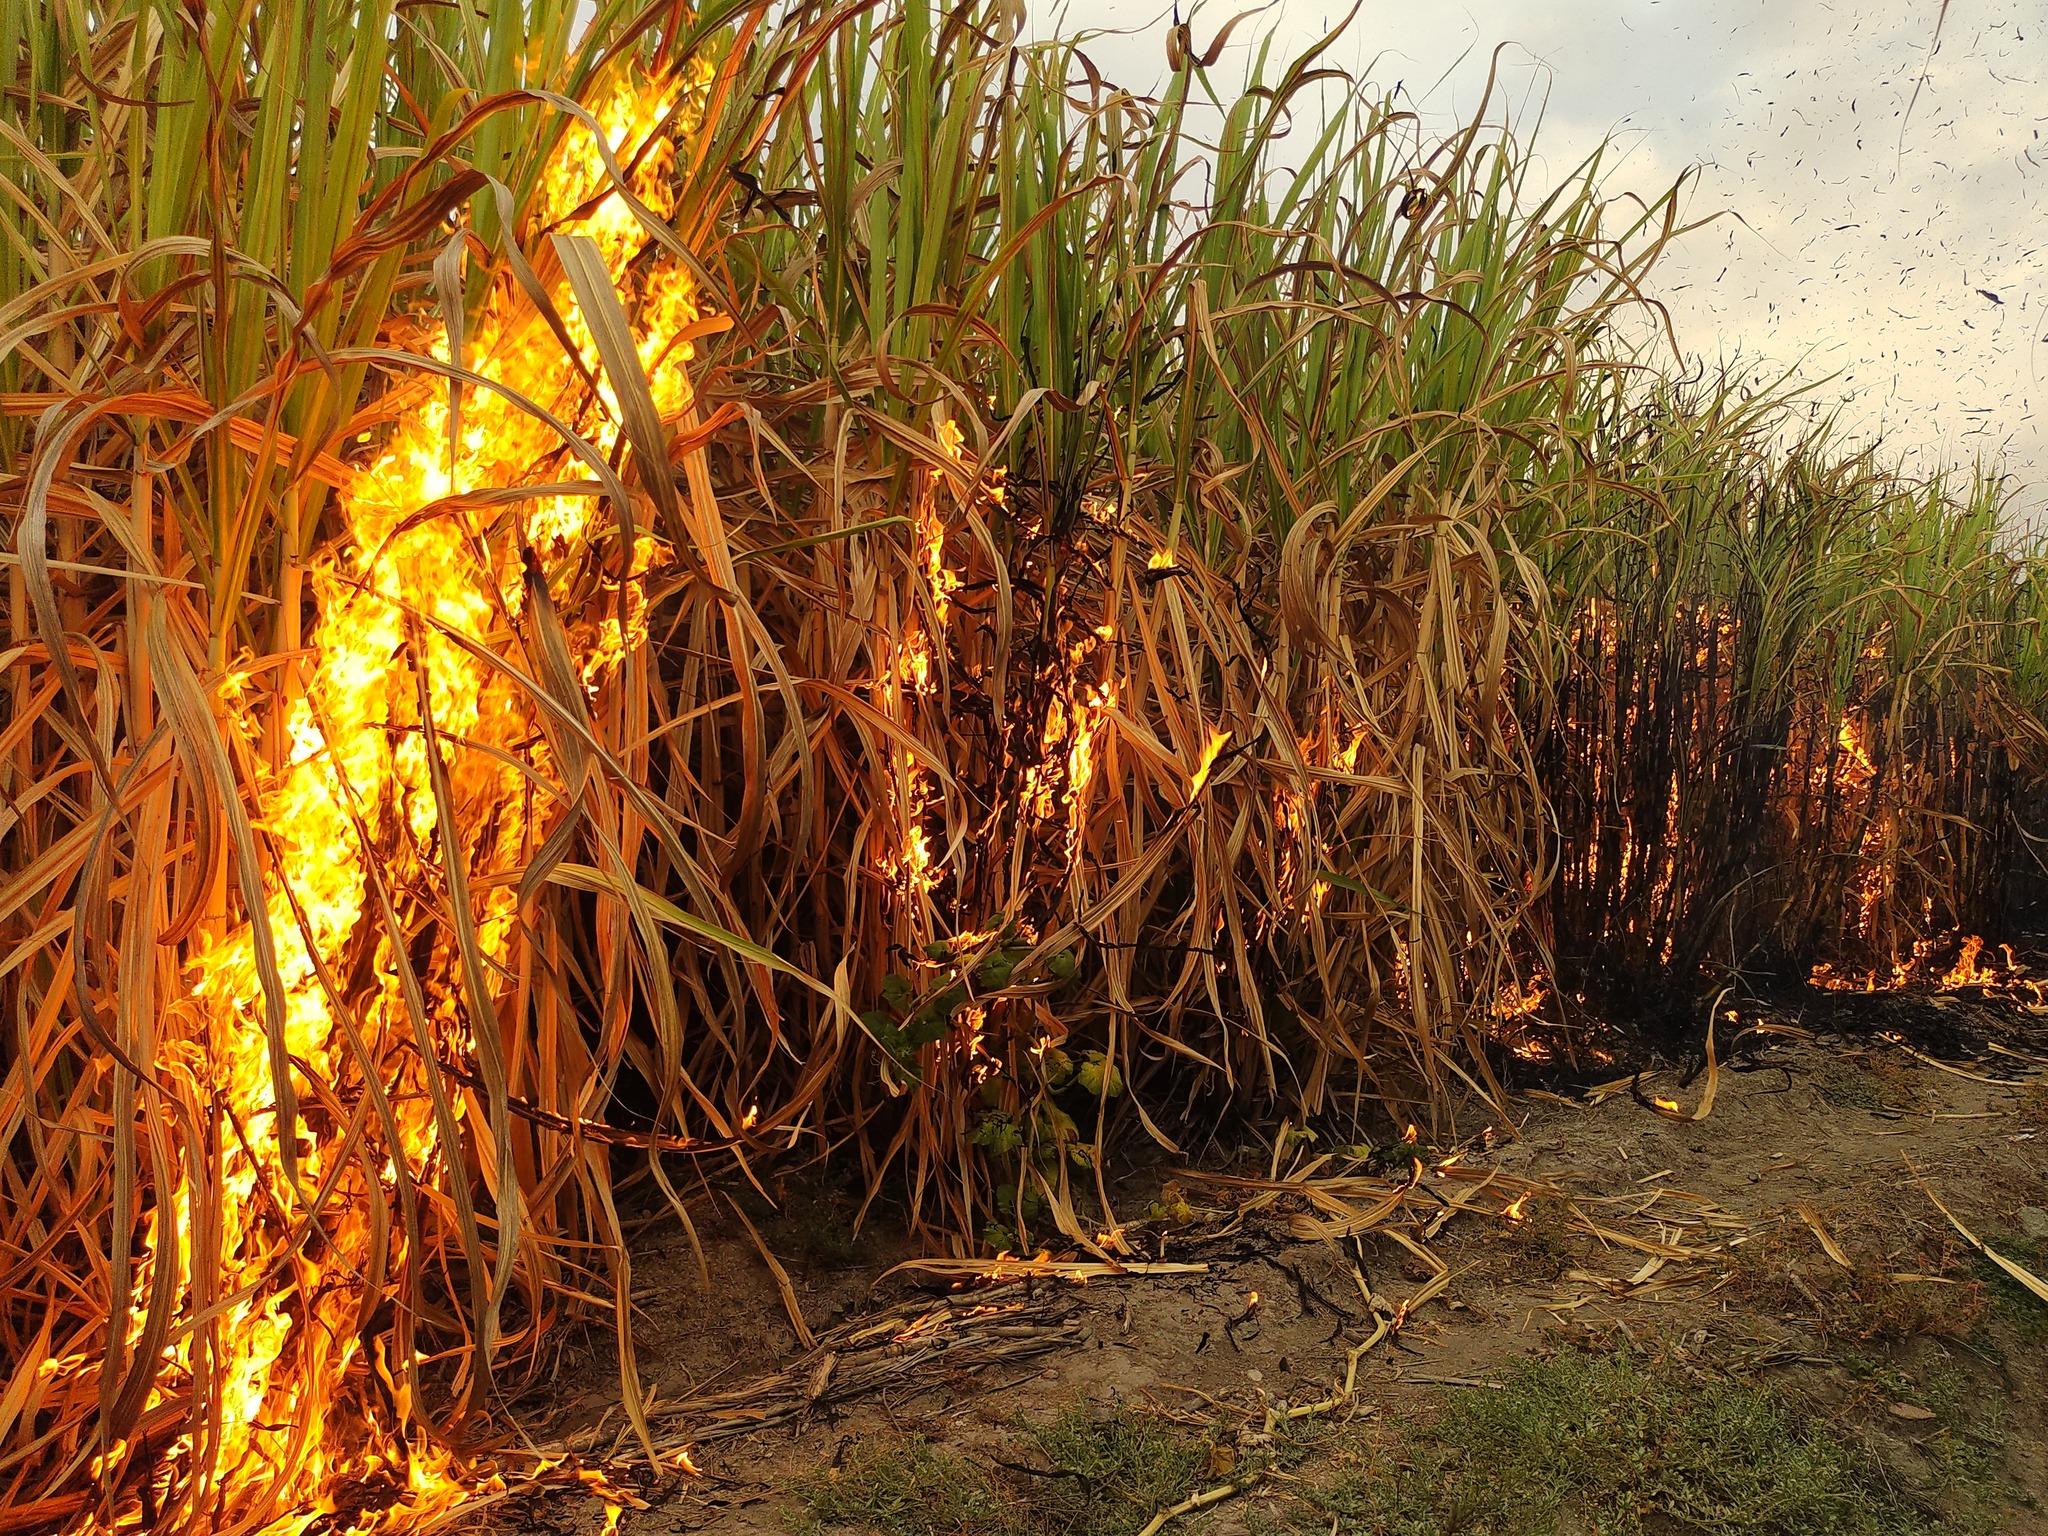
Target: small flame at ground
2009, 979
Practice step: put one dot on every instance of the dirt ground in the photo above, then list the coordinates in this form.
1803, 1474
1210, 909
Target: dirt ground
1812, 1263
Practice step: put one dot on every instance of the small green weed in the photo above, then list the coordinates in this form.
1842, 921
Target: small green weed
1962, 1445
908, 1488
811, 1221
1620, 1446
1104, 1475
1543, 1241
1848, 1087
2014, 1303
1122, 1469
1868, 1082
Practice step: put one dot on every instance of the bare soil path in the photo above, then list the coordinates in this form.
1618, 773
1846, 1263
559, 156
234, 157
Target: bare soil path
1815, 1280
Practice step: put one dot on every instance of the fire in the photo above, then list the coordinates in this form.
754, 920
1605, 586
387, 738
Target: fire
1218, 740
1850, 738
1289, 818
619, 637
301, 1408
1854, 769
1294, 803
1514, 1001
1084, 751
1076, 717
1966, 972
2008, 979
982, 1064
913, 865
931, 532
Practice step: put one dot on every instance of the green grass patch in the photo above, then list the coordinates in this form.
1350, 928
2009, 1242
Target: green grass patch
911, 1487
1848, 1087
1092, 1474
2017, 1306
1870, 1082
1963, 1445
1121, 1469
1620, 1445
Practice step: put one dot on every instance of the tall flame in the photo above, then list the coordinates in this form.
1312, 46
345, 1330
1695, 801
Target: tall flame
281, 1336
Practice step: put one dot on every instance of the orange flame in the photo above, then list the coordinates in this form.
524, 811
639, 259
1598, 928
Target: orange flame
1514, 1001
298, 1404
2008, 979
1966, 972
1218, 740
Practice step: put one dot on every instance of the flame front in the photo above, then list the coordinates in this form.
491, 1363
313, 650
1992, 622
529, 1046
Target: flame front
417, 595
2008, 978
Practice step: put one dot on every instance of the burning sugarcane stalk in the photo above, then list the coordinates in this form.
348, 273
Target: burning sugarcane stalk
563, 619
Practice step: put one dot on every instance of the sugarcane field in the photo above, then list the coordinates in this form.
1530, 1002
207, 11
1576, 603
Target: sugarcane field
846, 768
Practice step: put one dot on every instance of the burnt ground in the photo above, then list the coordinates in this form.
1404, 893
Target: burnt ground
1813, 1272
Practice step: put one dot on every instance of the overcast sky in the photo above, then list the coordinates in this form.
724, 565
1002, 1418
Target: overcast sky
1861, 253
